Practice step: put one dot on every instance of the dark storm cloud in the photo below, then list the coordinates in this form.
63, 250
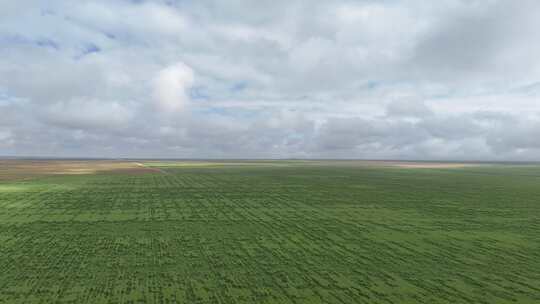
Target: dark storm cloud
391, 79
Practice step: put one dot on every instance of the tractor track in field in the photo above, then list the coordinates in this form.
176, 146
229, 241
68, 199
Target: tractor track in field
153, 169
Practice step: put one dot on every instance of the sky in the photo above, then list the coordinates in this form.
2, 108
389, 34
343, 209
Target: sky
388, 79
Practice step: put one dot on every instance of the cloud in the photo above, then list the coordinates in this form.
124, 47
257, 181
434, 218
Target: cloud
480, 43
88, 114
6, 138
408, 108
170, 87
387, 79
123, 20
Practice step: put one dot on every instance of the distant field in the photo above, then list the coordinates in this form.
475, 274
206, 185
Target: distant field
268, 232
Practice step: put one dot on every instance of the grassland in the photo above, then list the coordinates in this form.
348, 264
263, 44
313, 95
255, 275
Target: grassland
270, 232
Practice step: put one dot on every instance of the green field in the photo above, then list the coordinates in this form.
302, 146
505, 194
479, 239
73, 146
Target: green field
275, 232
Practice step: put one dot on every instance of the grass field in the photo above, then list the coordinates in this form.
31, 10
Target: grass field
270, 232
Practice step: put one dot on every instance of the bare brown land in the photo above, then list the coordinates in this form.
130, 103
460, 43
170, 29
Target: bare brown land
24, 169
427, 165
394, 164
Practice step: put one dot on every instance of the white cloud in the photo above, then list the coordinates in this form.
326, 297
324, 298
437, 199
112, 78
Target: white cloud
5, 135
170, 87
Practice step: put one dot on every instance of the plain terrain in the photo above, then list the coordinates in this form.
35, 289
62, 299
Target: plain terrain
268, 232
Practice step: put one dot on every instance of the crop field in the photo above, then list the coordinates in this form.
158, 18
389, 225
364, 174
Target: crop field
269, 232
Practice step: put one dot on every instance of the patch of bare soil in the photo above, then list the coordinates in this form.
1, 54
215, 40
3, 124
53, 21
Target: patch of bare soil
419, 164
24, 169
433, 165
395, 164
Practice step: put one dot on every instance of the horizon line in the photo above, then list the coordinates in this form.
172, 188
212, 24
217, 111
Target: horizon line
30, 158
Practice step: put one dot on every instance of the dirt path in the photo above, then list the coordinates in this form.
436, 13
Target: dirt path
153, 169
